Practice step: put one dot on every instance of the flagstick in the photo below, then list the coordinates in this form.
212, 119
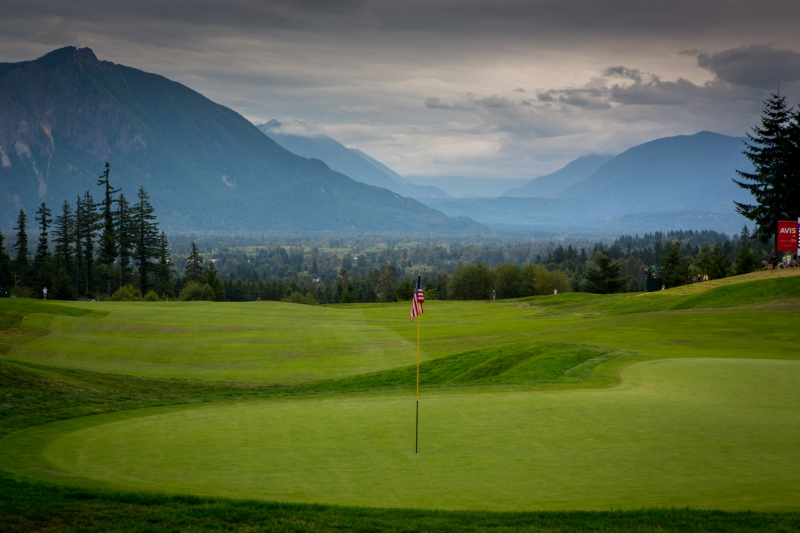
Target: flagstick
416, 433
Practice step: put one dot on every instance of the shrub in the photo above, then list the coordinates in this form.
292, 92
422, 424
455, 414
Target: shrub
127, 293
549, 280
195, 291
18, 291
470, 282
405, 289
508, 280
151, 296
299, 298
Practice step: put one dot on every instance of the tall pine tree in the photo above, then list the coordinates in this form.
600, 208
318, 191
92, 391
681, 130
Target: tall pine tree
126, 237
41, 260
79, 266
603, 276
147, 239
775, 180
194, 265
164, 268
21, 261
674, 268
6, 274
64, 231
108, 248
86, 231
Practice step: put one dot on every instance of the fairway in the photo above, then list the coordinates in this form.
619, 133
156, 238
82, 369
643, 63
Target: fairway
684, 398
705, 433
285, 343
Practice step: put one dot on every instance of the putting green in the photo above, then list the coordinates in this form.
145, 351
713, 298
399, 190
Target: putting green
706, 433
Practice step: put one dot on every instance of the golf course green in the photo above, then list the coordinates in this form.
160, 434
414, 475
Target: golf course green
683, 398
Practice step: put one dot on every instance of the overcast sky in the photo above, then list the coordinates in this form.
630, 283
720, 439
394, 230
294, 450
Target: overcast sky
506, 89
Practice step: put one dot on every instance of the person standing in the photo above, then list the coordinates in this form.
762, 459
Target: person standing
44, 293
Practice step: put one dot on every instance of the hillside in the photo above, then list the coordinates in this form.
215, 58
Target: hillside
683, 173
206, 167
551, 185
679, 182
352, 163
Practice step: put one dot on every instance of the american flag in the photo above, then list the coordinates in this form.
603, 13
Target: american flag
418, 300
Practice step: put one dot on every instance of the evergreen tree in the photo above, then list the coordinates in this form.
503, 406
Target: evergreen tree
64, 236
603, 276
211, 277
164, 269
86, 231
41, 260
704, 258
719, 265
746, 259
674, 269
6, 274
147, 239
775, 180
79, 258
21, 262
194, 265
108, 238
126, 237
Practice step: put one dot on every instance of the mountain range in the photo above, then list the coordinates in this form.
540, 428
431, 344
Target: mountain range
681, 182
351, 162
206, 167
551, 185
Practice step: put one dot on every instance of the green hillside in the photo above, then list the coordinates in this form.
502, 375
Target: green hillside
205, 166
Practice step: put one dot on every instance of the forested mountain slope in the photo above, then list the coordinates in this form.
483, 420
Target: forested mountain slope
205, 166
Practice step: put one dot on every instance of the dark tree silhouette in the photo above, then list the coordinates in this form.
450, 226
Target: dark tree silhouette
774, 150
21, 263
603, 276
108, 237
194, 265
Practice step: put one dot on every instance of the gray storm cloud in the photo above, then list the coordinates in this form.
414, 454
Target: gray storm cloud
755, 66
509, 88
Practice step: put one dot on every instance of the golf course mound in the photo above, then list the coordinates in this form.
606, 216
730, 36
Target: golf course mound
705, 433
768, 287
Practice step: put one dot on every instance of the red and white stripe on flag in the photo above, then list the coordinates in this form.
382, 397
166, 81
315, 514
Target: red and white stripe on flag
416, 303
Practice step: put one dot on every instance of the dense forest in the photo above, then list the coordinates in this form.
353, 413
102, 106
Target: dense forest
371, 269
113, 249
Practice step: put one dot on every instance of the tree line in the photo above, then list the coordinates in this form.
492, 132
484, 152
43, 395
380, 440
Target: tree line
98, 248
320, 275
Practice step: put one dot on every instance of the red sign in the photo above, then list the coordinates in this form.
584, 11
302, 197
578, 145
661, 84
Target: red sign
787, 235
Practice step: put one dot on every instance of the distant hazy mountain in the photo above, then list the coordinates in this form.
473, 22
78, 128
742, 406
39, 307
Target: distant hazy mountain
505, 211
679, 182
551, 185
470, 186
205, 166
380, 166
683, 173
352, 163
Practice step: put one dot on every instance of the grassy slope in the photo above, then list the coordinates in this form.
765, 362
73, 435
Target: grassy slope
271, 342
52, 399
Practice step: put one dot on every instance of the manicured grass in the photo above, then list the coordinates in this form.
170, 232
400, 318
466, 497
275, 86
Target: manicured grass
273, 342
29, 506
706, 433
528, 404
